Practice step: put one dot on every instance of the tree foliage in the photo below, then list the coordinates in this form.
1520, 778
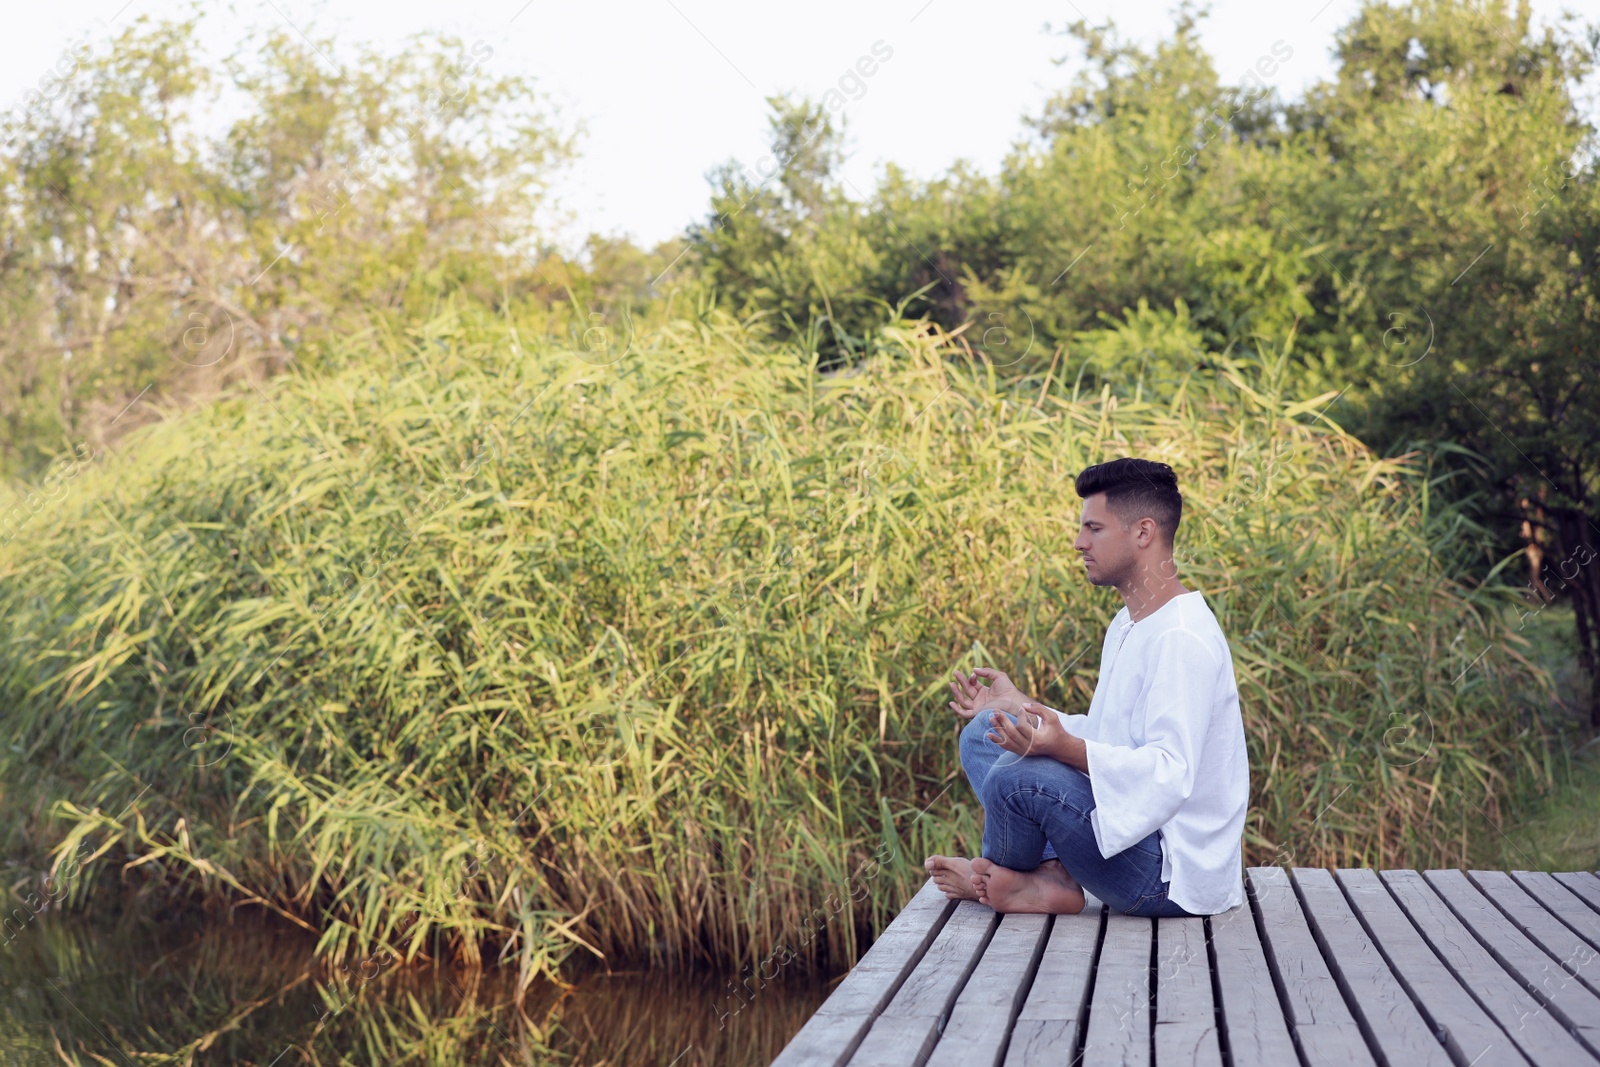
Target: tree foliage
144, 252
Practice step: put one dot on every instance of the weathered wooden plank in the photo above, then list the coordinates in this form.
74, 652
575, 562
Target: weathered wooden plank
1186, 1014
1046, 1032
1562, 903
831, 1035
1119, 1009
1390, 1022
824, 1041
1465, 1028
1557, 991
906, 1030
1253, 1024
1571, 953
1037, 1042
992, 998
1585, 885
1312, 1002
1525, 1021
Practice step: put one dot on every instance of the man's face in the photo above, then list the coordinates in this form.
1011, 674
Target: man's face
1106, 543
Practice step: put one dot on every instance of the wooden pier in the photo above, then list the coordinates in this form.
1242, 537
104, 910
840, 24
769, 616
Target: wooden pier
1358, 967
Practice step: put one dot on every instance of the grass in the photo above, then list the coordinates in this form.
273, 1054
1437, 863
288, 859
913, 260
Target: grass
1553, 825
482, 651
1557, 830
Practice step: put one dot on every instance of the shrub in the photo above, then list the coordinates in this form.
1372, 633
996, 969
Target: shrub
644, 650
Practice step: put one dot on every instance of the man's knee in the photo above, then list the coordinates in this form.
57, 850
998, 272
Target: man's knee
972, 733
1004, 778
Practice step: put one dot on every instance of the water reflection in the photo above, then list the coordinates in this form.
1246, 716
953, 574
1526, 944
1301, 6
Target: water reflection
74, 991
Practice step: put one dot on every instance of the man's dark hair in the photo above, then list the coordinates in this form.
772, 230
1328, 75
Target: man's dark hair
1135, 488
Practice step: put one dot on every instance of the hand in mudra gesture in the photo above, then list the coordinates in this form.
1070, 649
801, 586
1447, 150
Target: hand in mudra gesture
1036, 732
984, 688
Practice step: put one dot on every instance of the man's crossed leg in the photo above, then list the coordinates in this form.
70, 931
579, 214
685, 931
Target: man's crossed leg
1039, 848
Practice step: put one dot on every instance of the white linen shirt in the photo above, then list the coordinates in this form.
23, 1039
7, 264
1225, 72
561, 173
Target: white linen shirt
1166, 750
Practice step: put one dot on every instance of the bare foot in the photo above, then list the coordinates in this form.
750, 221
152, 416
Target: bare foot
953, 876
1046, 890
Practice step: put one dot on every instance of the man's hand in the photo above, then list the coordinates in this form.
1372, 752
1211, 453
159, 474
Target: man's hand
972, 696
1038, 732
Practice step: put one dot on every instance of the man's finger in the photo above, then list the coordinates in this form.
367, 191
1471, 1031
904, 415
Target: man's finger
1026, 737
998, 724
966, 694
1010, 736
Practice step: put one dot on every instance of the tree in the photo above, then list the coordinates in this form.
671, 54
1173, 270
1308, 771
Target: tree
1469, 228
146, 259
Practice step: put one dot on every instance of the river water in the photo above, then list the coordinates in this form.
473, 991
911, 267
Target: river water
244, 992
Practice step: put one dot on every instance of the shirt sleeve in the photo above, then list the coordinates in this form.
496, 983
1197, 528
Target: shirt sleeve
1074, 724
1137, 790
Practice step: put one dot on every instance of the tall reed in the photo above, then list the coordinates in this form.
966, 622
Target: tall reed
491, 648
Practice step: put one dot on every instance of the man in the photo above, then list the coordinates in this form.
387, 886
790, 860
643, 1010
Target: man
1142, 800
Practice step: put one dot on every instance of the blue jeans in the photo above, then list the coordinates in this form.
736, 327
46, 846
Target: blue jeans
1036, 807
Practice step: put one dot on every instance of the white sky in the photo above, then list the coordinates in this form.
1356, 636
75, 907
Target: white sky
669, 88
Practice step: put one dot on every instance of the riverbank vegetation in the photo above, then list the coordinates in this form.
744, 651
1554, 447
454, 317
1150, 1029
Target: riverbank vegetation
367, 562
480, 649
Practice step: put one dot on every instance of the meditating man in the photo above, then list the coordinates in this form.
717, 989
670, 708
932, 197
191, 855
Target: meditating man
1141, 801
